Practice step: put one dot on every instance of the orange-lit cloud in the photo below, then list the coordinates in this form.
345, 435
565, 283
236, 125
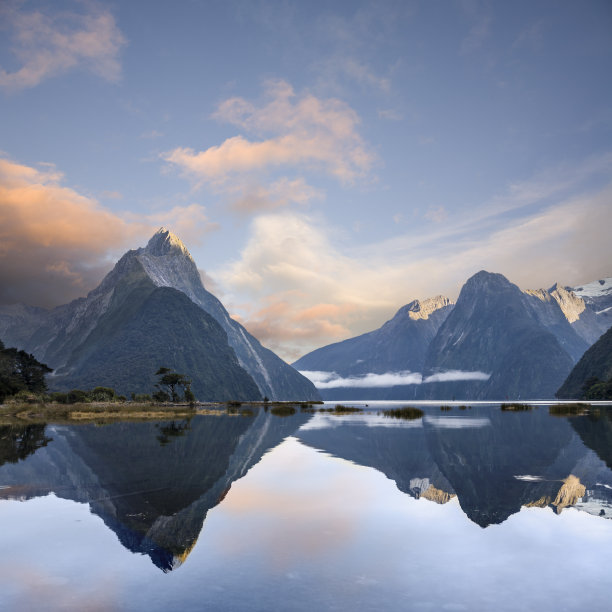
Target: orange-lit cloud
56, 244
291, 269
251, 198
189, 222
282, 323
47, 46
292, 132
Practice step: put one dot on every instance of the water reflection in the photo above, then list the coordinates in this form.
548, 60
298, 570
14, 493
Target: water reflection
18, 442
153, 484
495, 461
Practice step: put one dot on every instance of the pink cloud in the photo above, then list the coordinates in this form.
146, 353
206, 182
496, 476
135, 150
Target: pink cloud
56, 244
290, 132
48, 46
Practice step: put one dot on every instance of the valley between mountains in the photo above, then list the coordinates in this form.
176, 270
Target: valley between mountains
495, 342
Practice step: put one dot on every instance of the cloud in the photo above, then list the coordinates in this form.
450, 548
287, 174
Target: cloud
436, 214
480, 31
390, 114
255, 198
279, 324
455, 375
331, 380
56, 244
190, 222
349, 68
291, 132
48, 46
112, 195
535, 235
152, 134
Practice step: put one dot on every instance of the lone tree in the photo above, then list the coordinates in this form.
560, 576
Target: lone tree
20, 371
170, 383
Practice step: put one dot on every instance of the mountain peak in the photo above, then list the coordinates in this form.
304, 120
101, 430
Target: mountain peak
484, 277
163, 242
422, 309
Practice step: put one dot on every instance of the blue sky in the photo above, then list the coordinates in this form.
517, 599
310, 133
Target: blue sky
324, 162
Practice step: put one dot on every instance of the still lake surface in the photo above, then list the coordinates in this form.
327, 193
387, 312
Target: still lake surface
463, 509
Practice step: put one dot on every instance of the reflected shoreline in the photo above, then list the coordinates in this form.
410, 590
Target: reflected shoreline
153, 483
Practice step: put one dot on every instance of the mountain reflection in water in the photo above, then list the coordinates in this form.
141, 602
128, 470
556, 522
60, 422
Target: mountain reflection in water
495, 462
154, 483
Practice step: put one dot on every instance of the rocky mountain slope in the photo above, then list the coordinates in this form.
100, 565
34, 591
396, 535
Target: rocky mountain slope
497, 342
400, 344
109, 325
595, 363
492, 330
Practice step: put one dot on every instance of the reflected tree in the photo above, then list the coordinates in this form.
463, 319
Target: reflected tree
19, 442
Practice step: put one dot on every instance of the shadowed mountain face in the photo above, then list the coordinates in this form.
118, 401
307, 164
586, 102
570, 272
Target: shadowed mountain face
494, 462
152, 484
496, 342
595, 430
400, 344
145, 327
595, 363
152, 300
492, 330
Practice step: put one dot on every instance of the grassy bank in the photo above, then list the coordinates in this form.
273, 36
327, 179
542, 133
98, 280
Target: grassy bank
98, 412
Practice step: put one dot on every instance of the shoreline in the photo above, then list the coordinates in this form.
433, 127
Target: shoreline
98, 412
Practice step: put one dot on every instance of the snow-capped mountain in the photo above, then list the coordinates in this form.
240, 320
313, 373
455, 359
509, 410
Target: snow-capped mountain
597, 294
496, 342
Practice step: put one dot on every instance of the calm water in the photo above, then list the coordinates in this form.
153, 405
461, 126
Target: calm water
475, 509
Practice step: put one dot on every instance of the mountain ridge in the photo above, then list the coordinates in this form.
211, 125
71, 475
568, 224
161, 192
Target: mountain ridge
554, 322
64, 334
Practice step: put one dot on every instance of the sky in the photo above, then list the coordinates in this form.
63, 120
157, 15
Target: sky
324, 162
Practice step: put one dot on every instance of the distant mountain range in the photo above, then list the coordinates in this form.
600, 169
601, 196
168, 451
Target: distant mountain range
496, 342
152, 310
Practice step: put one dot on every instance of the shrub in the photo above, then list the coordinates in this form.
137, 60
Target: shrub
282, 410
569, 410
161, 396
141, 397
77, 396
516, 407
102, 394
407, 412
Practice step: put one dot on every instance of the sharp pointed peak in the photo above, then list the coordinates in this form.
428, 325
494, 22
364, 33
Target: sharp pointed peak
164, 241
421, 309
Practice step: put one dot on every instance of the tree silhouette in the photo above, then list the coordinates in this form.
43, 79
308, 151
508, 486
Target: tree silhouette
20, 371
169, 384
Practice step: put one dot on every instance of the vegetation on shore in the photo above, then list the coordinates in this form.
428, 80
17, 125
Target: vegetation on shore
408, 413
569, 410
516, 407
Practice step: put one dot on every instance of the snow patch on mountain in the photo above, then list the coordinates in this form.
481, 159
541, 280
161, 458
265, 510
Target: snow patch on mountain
595, 289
